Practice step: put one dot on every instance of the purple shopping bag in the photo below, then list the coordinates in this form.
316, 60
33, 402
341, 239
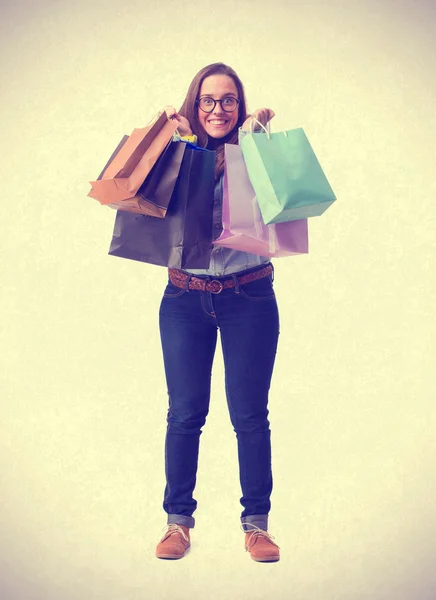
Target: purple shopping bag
243, 226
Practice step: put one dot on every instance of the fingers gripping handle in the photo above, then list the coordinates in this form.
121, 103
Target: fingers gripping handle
266, 129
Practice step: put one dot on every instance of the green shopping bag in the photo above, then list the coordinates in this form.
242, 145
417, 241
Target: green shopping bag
286, 175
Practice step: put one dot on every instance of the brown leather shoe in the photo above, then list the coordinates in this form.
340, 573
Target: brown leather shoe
174, 543
260, 545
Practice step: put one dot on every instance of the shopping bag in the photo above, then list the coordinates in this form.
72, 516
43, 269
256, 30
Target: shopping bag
124, 139
243, 226
286, 176
131, 204
183, 239
132, 161
154, 195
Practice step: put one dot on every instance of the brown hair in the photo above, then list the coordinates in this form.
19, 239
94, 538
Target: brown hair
189, 110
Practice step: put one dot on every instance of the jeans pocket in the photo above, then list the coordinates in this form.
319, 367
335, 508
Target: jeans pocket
260, 289
172, 291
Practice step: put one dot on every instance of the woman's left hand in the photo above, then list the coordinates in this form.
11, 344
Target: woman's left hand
184, 128
263, 115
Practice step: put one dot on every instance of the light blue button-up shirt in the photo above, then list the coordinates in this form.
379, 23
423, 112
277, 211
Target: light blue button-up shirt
224, 261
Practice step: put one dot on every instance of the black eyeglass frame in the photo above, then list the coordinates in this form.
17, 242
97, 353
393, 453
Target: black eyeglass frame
215, 103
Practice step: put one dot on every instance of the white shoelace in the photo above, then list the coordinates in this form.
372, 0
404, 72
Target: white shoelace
174, 528
256, 532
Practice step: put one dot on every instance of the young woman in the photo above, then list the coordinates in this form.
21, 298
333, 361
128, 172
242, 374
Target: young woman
236, 296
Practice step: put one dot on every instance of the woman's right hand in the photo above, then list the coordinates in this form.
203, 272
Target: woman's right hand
184, 127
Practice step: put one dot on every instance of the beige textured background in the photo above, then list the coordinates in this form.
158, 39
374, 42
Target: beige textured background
83, 397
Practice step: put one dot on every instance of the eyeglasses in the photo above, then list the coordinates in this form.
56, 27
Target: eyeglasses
228, 104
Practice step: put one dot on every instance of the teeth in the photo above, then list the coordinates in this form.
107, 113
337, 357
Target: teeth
217, 122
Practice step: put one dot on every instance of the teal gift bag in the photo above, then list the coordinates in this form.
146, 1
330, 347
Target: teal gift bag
286, 175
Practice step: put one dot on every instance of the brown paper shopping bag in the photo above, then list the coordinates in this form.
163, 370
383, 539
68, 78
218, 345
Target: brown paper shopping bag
132, 161
154, 195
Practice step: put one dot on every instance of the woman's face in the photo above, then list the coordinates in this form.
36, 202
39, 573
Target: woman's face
218, 123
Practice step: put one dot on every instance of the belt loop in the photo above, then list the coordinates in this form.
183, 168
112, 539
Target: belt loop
272, 274
187, 282
236, 282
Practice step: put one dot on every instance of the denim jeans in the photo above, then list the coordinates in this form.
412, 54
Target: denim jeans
248, 320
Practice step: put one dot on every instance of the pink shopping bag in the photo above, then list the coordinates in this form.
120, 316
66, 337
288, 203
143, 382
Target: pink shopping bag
243, 226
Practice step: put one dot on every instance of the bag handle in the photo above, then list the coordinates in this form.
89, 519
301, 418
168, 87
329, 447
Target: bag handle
267, 131
157, 115
154, 119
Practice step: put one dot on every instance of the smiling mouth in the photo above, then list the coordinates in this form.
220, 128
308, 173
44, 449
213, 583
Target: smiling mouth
217, 122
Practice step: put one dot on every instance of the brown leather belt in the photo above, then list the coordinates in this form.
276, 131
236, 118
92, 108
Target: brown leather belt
179, 279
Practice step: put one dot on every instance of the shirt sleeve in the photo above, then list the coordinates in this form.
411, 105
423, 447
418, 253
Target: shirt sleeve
185, 138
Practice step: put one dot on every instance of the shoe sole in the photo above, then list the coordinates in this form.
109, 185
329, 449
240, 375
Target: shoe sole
172, 556
269, 559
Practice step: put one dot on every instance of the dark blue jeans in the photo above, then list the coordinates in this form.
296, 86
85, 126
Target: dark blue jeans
247, 317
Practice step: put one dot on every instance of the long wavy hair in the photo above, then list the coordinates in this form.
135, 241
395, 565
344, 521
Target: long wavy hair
190, 111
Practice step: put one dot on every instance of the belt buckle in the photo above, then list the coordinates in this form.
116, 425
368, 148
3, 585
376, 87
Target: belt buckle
210, 283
